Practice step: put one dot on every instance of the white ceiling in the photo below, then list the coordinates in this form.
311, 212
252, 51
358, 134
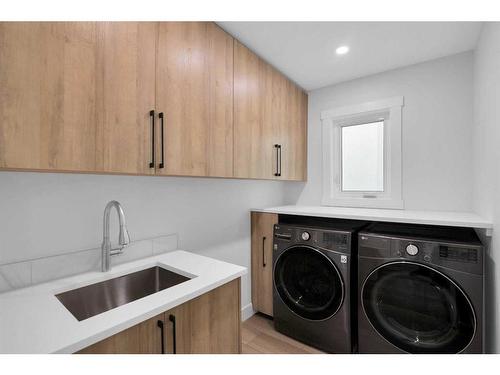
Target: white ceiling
305, 51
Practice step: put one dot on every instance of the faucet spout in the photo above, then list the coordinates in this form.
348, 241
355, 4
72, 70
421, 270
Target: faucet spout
123, 236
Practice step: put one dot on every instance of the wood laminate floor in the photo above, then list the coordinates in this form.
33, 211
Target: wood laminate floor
259, 337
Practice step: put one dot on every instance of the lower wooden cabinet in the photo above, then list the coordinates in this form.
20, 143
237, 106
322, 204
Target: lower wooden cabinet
208, 324
143, 338
262, 261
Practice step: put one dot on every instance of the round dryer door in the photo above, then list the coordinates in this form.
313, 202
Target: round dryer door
418, 309
308, 282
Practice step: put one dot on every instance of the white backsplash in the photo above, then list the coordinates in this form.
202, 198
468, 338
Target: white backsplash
36, 271
14, 276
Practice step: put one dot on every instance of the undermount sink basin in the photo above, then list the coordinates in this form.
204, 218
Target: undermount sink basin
95, 299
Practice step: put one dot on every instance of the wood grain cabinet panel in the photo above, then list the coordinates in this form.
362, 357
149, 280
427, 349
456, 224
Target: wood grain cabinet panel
262, 226
268, 111
254, 137
208, 324
143, 338
195, 93
48, 95
293, 134
126, 95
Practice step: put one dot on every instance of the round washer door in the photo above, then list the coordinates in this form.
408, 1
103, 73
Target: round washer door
418, 309
308, 282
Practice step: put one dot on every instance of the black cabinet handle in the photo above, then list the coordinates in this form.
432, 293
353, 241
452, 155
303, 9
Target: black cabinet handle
172, 319
278, 160
263, 251
152, 115
162, 164
161, 326
279, 149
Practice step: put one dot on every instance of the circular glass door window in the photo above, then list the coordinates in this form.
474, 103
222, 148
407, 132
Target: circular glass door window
418, 309
308, 283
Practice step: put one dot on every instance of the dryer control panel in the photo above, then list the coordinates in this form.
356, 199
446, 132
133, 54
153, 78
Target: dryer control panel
464, 257
411, 249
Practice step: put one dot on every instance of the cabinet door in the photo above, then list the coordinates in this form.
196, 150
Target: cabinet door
254, 129
262, 261
195, 94
143, 338
209, 324
126, 90
293, 134
48, 95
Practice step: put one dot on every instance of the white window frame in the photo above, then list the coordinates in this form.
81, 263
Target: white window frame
333, 120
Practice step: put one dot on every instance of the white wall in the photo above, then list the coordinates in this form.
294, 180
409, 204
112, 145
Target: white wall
47, 214
437, 131
486, 197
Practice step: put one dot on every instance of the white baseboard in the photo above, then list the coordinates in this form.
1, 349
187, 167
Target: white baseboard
247, 312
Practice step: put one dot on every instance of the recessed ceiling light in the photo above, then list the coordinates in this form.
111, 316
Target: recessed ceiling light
342, 50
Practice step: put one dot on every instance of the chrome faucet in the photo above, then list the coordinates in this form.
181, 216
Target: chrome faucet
123, 237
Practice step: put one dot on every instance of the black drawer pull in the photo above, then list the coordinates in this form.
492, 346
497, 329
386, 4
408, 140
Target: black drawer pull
161, 326
263, 251
152, 115
279, 150
277, 173
162, 164
174, 335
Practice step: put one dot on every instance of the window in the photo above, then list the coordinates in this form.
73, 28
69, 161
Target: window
362, 155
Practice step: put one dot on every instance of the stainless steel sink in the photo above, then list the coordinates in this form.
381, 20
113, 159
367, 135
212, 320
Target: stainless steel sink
97, 298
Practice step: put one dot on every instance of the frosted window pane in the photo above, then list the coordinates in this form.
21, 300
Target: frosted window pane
363, 157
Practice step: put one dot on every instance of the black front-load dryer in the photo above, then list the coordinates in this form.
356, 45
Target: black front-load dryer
420, 290
312, 270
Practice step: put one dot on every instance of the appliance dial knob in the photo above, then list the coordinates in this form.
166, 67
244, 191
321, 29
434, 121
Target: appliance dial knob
412, 250
305, 236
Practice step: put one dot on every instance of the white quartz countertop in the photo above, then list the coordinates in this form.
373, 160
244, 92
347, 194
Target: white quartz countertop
32, 320
446, 218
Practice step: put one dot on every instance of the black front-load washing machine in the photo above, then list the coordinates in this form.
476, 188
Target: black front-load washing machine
313, 267
420, 290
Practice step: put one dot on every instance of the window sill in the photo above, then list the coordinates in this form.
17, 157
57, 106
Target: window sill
394, 204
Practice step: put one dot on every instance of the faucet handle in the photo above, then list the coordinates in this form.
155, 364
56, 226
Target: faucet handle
116, 250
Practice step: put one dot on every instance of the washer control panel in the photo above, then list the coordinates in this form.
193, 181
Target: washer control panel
325, 239
412, 249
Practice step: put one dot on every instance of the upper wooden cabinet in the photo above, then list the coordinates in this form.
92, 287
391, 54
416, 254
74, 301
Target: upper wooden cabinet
126, 95
195, 94
270, 118
48, 103
166, 98
254, 137
293, 133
